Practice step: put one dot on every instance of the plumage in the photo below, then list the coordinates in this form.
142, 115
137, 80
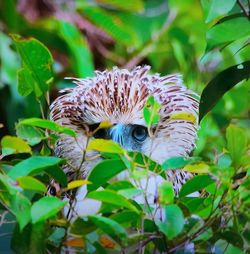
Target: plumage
118, 96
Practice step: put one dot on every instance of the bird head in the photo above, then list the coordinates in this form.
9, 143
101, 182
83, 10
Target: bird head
118, 97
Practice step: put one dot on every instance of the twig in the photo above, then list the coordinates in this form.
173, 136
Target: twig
243, 9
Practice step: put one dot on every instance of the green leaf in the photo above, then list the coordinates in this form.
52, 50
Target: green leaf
111, 197
45, 208
12, 145
150, 111
29, 133
173, 223
232, 237
195, 184
197, 168
236, 143
58, 174
110, 227
105, 146
82, 60
125, 217
31, 183
32, 166
103, 172
37, 66
47, 124
216, 8
225, 32
175, 163
82, 226
25, 81
112, 24
20, 207
129, 5
166, 193
222, 83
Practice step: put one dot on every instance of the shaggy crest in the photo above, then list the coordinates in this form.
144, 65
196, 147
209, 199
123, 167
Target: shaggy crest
118, 96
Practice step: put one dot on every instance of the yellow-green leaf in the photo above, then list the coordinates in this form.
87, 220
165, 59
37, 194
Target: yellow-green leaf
105, 146
199, 168
11, 145
186, 116
31, 183
76, 184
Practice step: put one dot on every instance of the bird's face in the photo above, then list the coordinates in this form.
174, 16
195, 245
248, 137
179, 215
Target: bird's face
118, 97
132, 137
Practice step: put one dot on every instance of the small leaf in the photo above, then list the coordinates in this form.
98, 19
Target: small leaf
110, 227
111, 197
47, 124
32, 166
173, 223
224, 32
177, 162
150, 111
219, 85
236, 144
76, 184
103, 172
31, 183
75, 242
198, 168
45, 208
105, 146
81, 56
166, 193
12, 145
82, 226
216, 8
186, 116
37, 66
29, 133
20, 207
195, 184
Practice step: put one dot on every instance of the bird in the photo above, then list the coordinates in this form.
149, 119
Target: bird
118, 96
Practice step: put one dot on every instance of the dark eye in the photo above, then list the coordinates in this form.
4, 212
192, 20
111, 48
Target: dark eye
140, 133
101, 133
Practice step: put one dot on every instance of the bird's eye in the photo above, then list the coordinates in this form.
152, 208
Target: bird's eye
101, 133
140, 133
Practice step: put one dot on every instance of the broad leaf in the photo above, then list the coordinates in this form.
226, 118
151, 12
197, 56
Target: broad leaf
195, 184
12, 145
110, 227
222, 83
103, 172
20, 206
82, 60
105, 146
36, 73
31, 134
216, 8
236, 143
32, 166
31, 183
47, 124
150, 111
76, 184
45, 208
225, 32
166, 193
111, 197
173, 223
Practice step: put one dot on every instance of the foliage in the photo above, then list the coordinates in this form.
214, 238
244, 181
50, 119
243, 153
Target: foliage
204, 42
